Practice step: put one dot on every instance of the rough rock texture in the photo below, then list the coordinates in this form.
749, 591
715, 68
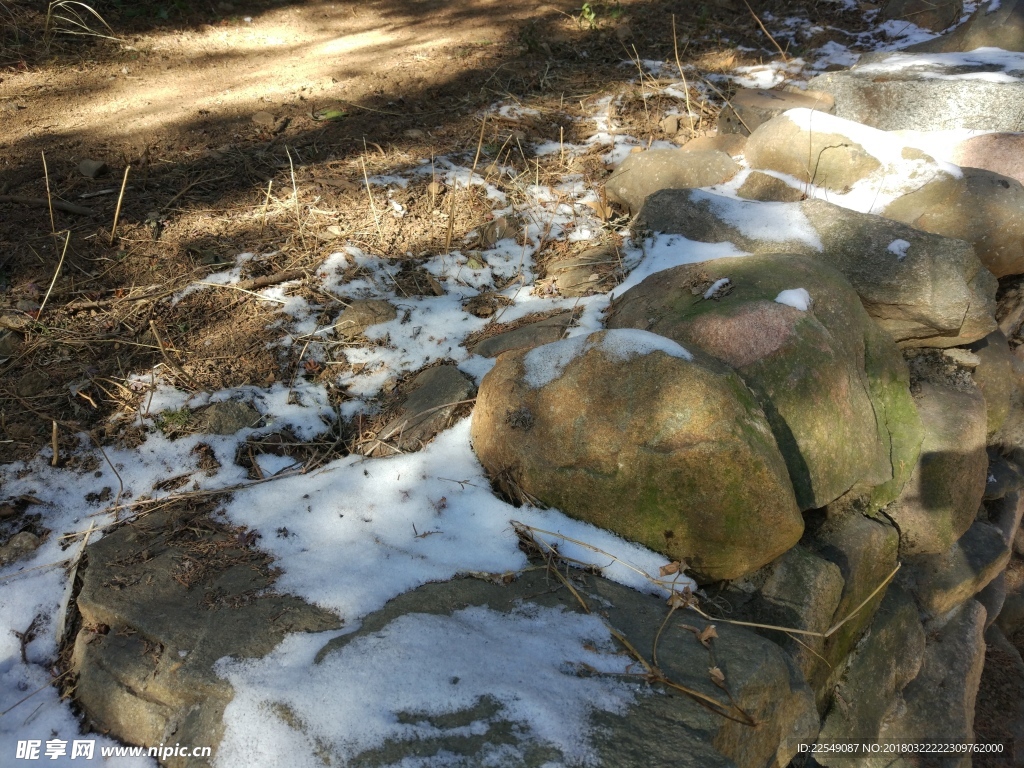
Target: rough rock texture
942, 582
525, 336
1001, 26
1005, 514
732, 144
935, 15
940, 700
360, 314
433, 397
830, 160
801, 590
1011, 618
1004, 477
992, 598
227, 417
996, 378
18, 547
871, 688
945, 490
749, 108
658, 729
162, 600
866, 550
642, 173
1001, 153
761, 186
586, 274
672, 453
806, 368
899, 99
983, 208
935, 294
896, 417
1000, 704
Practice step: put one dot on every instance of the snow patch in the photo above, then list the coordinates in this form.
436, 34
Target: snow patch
899, 248
358, 698
720, 283
774, 222
798, 298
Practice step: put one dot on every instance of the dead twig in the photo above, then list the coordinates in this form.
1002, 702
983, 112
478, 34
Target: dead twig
167, 358
59, 205
764, 29
120, 199
682, 74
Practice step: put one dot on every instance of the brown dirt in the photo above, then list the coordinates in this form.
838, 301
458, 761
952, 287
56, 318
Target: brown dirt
174, 97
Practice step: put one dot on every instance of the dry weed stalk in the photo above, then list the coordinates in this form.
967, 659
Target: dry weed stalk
682, 74
678, 599
652, 673
120, 198
764, 29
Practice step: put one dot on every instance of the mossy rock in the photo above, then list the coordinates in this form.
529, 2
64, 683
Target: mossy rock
667, 449
806, 367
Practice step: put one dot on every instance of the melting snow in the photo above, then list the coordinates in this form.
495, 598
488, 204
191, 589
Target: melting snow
775, 222
900, 248
798, 298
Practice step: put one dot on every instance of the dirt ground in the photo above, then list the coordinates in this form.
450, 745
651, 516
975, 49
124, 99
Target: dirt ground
248, 127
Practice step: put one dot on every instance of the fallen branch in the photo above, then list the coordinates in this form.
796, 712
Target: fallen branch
262, 282
60, 205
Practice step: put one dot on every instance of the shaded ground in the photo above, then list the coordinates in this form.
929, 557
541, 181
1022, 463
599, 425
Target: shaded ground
250, 126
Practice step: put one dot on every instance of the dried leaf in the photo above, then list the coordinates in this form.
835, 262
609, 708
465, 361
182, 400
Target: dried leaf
669, 569
678, 600
602, 209
717, 677
706, 634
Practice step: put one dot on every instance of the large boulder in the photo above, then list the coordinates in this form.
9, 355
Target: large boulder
982, 207
929, 92
1001, 153
631, 432
873, 171
805, 365
632, 726
814, 148
945, 490
642, 173
162, 599
923, 289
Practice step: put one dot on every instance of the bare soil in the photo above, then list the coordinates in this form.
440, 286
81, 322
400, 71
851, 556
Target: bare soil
248, 127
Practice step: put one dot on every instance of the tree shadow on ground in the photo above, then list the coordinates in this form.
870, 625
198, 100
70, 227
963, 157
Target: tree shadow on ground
407, 82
